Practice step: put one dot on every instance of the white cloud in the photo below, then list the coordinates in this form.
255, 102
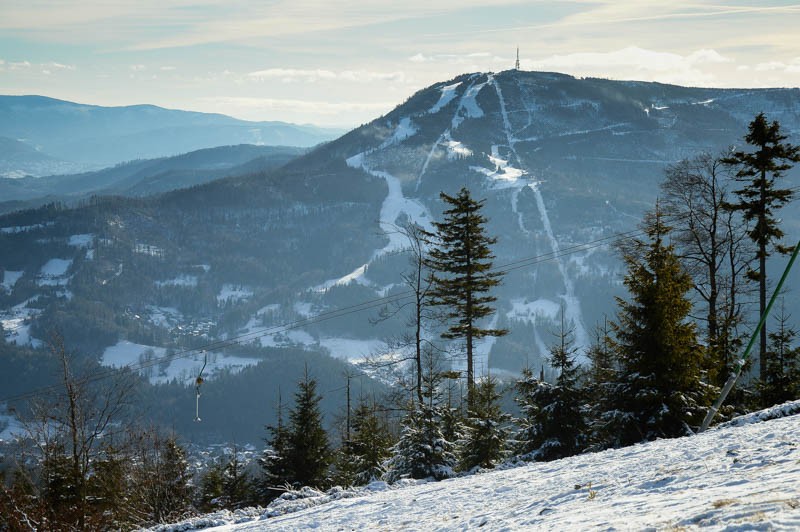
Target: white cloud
319, 112
291, 75
322, 107
792, 67
455, 59
167, 68
52, 65
137, 68
44, 68
707, 56
632, 62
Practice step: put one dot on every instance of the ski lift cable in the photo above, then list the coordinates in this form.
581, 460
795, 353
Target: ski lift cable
324, 316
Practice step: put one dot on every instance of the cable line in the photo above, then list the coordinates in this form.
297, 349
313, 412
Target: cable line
324, 316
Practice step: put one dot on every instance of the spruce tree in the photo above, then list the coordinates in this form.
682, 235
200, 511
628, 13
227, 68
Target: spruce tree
554, 424
422, 451
486, 431
308, 453
237, 487
783, 375
361, 458
659, 393
298, 454
273, 461
758, 201
211, 490
461, 261
601, 381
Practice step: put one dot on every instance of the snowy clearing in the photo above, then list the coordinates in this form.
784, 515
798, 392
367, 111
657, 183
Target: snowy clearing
10, 279
23, 228
10, 428
183, 370
181, 280
231, 292
729, 478
405, 129
54, 272
290, 338
352, 349
16, 322
533, 311
164, 316
81, 241
448, 93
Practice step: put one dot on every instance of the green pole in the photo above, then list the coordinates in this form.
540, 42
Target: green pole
741, 362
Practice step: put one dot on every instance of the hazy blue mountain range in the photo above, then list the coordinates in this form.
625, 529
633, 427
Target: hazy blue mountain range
563, 163
145, 177
66, 137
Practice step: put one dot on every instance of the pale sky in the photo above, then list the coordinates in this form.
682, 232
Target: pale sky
343, 63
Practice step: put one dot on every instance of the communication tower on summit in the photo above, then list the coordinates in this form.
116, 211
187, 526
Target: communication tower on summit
516, 65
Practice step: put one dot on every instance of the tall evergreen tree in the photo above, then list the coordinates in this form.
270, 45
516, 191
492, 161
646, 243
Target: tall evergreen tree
461, 260
758, 200
659, 393
298, 454
308, 452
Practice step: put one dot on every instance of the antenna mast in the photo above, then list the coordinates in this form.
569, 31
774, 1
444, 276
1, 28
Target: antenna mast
516, 65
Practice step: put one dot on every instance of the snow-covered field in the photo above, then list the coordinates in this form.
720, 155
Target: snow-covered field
741, 476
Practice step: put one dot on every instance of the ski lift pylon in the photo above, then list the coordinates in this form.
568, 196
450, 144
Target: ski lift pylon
197, 383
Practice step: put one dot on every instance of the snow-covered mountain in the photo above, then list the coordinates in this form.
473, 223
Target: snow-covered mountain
744, 475
564, 165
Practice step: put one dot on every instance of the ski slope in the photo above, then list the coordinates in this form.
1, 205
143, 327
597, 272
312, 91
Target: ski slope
742, 476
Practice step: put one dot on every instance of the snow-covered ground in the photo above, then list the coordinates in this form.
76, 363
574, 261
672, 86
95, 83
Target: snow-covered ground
231, 292
10, 428
744, 477
16, 323
54, 272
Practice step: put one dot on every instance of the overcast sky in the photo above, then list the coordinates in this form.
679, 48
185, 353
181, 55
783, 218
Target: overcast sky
342, 63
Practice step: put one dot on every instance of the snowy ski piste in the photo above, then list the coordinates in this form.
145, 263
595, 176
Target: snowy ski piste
742, 475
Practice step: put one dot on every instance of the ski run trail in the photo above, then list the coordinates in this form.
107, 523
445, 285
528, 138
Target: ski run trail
572, 306
742, 475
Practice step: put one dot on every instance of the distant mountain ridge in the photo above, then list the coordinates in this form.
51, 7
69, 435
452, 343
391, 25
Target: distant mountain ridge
145, 177
82, 137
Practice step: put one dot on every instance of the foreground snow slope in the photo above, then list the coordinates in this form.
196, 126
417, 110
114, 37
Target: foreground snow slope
743, 476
